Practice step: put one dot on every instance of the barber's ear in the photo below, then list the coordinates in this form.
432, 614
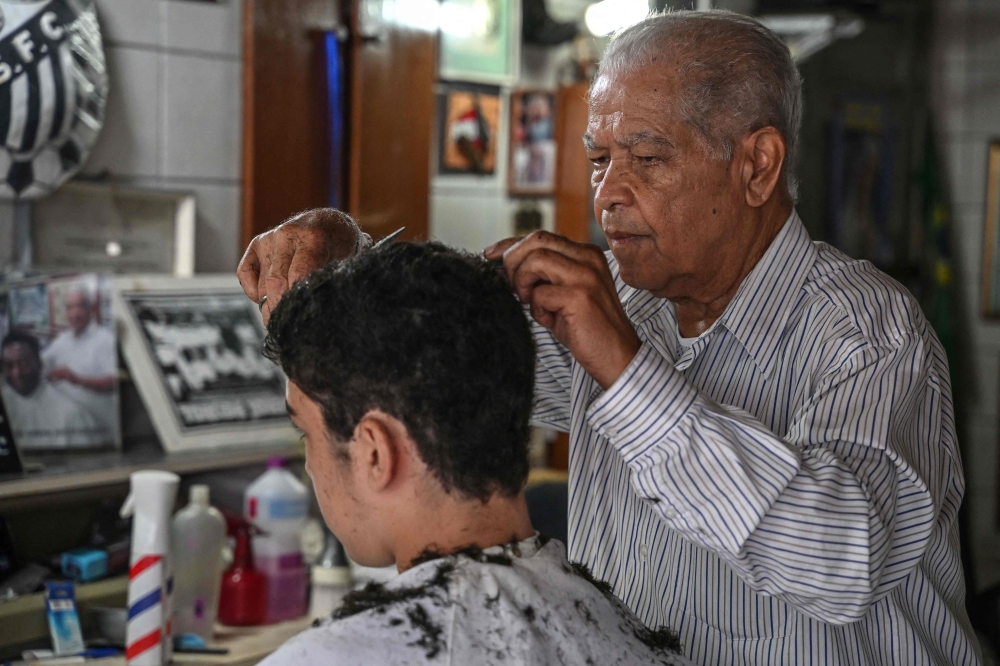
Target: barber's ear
765, 155
376, 451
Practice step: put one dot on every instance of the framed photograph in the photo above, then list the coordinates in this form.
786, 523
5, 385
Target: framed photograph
480, 41
193, 347
59, 363
991, 239
532, 143
116, 229
468, 129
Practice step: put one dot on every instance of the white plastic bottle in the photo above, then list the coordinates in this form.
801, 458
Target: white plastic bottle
331, 578
198, 534
276, 503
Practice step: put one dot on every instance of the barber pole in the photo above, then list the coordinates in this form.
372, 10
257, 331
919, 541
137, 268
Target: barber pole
147, 628
148, 634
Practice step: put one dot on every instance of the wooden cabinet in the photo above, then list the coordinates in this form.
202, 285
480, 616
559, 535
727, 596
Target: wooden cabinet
387, 101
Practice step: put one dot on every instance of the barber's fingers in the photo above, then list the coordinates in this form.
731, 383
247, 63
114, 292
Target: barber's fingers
283, 249
248, 272
550, 266
582, 253
496, 250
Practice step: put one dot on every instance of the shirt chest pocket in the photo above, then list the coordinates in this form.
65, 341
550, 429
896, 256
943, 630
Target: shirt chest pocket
717, 597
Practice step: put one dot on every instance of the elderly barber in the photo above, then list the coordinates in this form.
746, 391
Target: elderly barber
763, 448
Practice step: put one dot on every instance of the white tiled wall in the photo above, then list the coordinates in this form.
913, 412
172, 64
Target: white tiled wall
174, 110
965, 95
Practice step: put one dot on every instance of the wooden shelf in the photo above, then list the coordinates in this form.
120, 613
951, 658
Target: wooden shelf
24, 619
70, 473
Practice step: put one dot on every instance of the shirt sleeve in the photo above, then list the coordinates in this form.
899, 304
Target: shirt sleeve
829, 517
553, 380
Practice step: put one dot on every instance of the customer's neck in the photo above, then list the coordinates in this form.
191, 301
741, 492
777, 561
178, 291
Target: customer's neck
453, 524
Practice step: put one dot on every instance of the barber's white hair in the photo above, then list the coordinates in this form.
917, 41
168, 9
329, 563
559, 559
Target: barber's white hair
737, 76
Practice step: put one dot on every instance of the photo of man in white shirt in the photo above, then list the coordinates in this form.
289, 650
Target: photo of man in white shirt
82, 361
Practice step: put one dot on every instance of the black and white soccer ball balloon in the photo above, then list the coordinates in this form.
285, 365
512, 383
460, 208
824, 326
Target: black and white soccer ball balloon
53, 90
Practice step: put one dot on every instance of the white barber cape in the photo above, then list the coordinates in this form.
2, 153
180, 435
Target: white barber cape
517, 604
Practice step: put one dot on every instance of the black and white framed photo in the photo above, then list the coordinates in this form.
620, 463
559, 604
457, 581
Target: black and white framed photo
194, 349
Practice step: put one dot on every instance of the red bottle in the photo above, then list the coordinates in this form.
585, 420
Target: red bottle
243, 599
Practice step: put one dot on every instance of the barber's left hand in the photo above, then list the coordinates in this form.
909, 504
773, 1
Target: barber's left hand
571, 292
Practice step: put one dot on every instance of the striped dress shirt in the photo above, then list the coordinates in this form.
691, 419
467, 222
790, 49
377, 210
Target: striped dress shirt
786, 489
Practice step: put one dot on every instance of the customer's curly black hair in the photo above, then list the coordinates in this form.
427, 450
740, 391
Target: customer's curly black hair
429, 335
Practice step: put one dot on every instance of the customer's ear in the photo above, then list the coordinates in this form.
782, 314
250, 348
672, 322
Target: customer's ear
377, 450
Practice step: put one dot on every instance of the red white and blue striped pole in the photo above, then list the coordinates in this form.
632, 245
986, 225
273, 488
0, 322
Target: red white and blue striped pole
148, 639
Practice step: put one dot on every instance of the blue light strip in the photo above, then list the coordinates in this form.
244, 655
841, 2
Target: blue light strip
334, 84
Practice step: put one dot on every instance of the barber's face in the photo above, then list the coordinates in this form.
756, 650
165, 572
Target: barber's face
670, 213
21, 367
77, 311
333, 478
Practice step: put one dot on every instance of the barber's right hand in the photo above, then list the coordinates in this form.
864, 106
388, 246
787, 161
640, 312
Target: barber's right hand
279, 258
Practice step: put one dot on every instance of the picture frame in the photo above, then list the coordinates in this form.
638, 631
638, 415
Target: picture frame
59, 363
990, 291
469, 125
480, 41
115, 228
533, 152
193, 347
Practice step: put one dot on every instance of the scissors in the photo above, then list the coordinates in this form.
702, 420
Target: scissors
388, 239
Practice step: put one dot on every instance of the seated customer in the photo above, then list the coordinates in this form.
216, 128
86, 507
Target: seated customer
411, 371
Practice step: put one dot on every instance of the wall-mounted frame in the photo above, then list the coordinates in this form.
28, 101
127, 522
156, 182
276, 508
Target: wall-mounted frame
991, 236
480, 41
468, 129
114, 228
533, 154
193, 347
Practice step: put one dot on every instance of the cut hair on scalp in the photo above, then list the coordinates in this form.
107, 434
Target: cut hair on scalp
429, 335
737, 76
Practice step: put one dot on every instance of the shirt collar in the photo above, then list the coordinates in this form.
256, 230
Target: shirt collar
760, 309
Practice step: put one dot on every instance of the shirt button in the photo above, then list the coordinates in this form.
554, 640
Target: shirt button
643, 550
669, 513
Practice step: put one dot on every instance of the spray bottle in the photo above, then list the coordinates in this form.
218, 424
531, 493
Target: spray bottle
243, 595
148, 636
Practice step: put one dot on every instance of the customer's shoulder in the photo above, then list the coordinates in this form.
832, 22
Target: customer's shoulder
857, 295
405, 621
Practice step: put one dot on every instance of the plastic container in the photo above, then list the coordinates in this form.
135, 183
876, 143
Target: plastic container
331, 579
149, 637
276, 503
198, 534
243, 599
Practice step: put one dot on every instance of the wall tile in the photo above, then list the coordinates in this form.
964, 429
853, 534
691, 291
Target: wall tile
982, 97
967, 245
201, 117
470, 221
217, 234
129, 143
6, 233
966, 170
212, 27
981, 460
135, 22
983, 539
983, 30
